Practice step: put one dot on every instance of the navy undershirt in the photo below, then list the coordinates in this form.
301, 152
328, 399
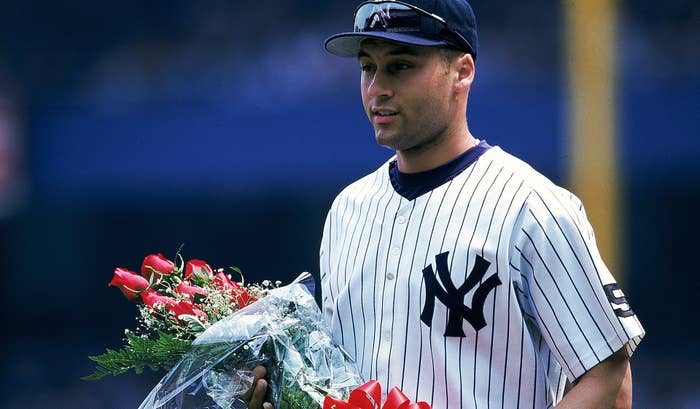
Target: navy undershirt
412, 185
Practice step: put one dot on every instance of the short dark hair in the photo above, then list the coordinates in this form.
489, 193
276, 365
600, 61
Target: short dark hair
450, 54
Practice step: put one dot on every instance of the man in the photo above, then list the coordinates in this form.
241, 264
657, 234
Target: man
455, 271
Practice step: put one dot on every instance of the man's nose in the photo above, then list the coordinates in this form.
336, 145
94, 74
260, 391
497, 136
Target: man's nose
378, 86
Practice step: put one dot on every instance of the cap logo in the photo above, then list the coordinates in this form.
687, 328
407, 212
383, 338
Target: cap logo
379, 15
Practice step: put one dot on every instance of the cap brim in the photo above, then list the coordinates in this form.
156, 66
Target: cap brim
348, 44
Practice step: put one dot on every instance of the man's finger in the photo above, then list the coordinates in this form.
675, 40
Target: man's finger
258, 373
259, 395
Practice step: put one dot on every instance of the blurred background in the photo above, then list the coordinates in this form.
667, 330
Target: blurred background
130, 127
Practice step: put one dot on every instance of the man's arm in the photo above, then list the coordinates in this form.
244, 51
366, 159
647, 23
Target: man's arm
607, 385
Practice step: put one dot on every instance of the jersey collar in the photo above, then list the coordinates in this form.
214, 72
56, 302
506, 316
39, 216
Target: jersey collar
413, 185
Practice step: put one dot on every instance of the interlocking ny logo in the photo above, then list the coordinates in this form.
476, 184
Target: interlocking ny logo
380, 15
453, 298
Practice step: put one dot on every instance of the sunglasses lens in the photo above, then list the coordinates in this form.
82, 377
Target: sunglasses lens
387, 17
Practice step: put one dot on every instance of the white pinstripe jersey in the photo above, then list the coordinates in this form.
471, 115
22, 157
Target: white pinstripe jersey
485, 292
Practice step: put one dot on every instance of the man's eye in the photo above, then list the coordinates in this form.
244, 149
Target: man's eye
366, 68
398, 67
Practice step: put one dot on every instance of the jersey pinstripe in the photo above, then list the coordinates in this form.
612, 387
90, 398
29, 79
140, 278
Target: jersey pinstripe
500, 245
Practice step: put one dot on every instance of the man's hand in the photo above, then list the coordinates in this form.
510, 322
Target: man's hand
255, 397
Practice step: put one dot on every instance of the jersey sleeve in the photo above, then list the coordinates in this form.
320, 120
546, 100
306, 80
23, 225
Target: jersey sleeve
572, 297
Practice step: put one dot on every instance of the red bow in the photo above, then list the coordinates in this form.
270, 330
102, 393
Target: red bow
369, 395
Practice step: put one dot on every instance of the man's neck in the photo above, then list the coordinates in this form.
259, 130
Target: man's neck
411, 161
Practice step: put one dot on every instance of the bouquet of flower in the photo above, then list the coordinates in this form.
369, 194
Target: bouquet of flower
210, 332
176, 302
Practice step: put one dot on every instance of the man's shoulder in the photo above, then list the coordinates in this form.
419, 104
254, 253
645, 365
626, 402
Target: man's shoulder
524, 173
540, 190
512, 163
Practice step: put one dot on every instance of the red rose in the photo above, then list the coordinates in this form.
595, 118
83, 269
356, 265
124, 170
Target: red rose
222, 280
129, 282
151, 298
156, 263
240, 295
199, 269
186, 307
244, 298
190, 290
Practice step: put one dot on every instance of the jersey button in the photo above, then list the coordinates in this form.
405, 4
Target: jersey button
401, 220
396, 251
387, 336
390, 276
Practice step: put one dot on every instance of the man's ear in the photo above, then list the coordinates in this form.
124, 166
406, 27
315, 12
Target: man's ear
466, 70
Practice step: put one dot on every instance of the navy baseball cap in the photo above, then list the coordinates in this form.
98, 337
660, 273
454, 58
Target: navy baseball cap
433, 23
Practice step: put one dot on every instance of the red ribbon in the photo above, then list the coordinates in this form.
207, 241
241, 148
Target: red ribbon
369, 395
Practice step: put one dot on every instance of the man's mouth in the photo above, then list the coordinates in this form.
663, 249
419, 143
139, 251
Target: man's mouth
384, 112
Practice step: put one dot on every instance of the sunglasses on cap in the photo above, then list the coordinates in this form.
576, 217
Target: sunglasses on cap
403, 18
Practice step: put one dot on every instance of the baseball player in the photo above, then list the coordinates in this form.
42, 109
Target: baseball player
455, 271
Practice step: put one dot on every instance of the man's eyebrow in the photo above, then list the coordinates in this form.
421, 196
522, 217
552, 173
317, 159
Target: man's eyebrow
394, 52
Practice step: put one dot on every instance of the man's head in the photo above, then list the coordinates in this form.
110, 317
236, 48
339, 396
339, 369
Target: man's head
417, 69
434, 23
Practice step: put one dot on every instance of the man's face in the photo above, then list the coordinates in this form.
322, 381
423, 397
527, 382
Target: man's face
407, 92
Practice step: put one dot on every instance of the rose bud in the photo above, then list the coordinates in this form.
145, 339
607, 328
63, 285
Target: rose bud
190, 290
222, 280
156, 263
186, 307
129, 282
199, 269
151, 298
240, 295
244, 298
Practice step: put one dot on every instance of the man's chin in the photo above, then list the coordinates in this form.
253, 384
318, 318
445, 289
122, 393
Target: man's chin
387, 140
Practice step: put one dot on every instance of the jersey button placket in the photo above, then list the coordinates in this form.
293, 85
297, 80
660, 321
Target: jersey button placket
395, 253
387, 336
394, 258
